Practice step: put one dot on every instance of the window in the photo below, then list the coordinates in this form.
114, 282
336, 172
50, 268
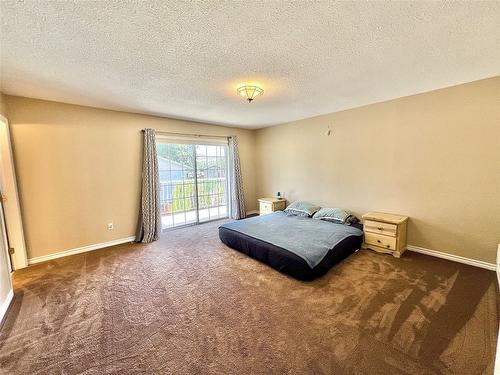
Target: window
193, 182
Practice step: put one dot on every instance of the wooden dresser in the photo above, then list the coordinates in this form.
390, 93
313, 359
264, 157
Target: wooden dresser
385, 233
268, 205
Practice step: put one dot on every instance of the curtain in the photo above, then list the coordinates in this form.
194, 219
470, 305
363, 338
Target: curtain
149, 224
238, 210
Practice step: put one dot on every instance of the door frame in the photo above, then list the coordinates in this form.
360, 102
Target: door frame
11, 202
196, 198
5, 236
6, 300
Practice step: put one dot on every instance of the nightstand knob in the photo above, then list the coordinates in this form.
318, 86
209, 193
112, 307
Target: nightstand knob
379, 241
387, 246
380, 228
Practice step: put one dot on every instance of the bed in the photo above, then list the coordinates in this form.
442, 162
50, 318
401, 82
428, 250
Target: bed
301, 247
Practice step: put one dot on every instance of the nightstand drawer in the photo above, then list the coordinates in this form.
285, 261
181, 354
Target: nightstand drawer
381, 228
269, 205
386, 242
265, 208
279, 206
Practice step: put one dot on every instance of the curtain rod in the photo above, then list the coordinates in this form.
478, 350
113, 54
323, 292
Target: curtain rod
192, 135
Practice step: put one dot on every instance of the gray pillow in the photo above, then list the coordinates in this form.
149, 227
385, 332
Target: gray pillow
336, 215
301, 208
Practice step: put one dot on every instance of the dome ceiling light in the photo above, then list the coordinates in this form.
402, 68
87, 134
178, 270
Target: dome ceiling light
249, 92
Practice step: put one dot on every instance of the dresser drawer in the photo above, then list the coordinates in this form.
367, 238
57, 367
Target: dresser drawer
265, 208
380, 228
387, 242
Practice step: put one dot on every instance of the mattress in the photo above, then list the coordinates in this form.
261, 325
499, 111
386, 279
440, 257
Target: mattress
300, 247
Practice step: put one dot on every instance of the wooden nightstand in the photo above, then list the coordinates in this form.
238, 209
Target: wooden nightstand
385, 233
268, 205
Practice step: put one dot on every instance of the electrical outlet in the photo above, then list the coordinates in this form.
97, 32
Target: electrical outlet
110, 226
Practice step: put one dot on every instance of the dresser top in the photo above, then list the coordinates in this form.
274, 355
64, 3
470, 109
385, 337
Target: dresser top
386, 218
270, 200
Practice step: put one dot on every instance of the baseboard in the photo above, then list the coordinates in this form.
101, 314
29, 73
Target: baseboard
79, 250
5, 305
252, 212
455, 258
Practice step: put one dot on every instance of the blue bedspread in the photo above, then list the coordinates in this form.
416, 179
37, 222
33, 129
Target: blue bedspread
307, 238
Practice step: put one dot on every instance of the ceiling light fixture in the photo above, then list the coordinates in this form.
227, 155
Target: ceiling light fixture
250, 92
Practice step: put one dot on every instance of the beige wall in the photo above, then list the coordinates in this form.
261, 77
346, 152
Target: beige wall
433, 156
79, 168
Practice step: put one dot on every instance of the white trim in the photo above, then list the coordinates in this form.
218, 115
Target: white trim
6, 304
79, 250
12, 208
455, 258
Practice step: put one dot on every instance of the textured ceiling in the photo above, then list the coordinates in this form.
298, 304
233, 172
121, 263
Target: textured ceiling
185, 59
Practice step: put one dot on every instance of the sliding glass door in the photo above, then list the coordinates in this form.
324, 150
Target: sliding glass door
212, 188
193, 182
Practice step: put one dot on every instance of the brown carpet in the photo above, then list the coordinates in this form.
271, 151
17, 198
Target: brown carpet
189, 305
